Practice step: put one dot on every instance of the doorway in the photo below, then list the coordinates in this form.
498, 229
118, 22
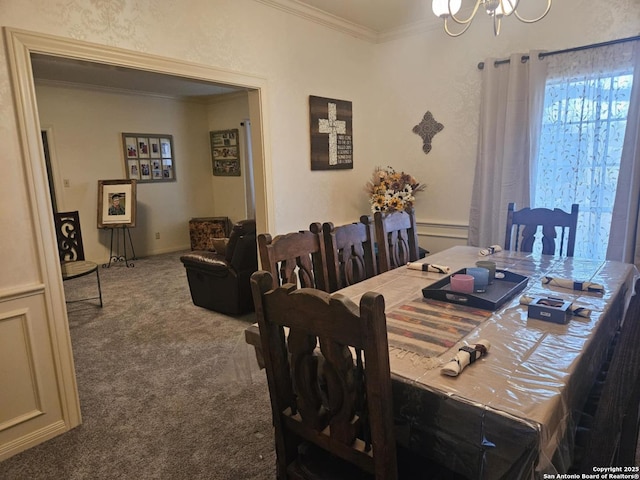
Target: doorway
87, 120
57, 399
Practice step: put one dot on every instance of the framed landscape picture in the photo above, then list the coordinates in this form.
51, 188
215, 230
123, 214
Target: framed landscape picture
225, 153
149, 157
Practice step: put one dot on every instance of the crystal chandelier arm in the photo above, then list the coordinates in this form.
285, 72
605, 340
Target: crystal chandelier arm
466, 22
525, 20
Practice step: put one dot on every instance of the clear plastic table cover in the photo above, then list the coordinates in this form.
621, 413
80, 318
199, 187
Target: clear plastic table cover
512, 414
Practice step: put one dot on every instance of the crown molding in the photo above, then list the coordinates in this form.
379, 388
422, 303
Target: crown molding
226, 97
415, 28
321, 17
302, 10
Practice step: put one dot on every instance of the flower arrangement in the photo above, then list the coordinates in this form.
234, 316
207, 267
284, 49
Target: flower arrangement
390, 191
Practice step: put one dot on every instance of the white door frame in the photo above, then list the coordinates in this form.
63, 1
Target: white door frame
20, 45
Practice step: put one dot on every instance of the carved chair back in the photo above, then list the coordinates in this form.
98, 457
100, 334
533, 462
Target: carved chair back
350, 253
69, 236
297, 257
341, 404
397, 238
71, 250
522, 228
612, 433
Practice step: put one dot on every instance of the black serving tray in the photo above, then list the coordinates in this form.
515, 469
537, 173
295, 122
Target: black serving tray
497, 293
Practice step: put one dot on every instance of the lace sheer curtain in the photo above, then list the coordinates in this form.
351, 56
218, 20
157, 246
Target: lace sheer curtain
586, 104
560, 130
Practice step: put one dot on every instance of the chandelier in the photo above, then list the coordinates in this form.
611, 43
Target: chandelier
496, 9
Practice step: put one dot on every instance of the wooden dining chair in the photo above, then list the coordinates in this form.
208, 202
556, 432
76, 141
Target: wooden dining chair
297, 257
608, 431
396, 237
71, 251
333, 418
350, 253
522, 227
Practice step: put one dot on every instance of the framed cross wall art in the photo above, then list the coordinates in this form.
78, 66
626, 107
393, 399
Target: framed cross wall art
331, 133
148, 157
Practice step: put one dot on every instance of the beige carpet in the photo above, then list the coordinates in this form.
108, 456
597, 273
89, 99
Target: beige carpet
157, 389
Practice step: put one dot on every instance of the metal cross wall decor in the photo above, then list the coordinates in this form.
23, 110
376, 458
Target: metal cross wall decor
427, 128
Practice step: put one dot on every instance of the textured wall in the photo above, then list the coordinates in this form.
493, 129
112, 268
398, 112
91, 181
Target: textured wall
87, 126
296, 57
229, 192
434, 72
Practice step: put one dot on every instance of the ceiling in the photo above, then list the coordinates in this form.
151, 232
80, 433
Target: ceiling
380, 16
370, 19
72, 72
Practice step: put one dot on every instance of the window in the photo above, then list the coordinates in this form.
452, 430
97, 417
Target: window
580, 145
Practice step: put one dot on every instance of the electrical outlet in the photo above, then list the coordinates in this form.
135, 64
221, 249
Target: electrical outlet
157, 235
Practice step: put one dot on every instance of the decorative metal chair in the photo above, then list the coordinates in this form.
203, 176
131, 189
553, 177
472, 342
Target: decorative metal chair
71, 251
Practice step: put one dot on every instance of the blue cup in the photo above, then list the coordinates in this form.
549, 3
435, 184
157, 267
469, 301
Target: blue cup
489, 265
480, 278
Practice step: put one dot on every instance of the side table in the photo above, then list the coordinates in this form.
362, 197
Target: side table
203, 229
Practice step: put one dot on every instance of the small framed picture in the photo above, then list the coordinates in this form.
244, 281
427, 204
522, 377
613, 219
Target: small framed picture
143, 147
134, 169
167, 168
145, 170
154, 147
165, 147
116, 203
148, 157
229, 168
131, 147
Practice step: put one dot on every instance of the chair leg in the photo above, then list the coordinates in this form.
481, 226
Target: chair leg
629, 434
99, 286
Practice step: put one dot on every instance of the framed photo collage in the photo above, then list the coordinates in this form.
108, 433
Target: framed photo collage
225, 153
149, 157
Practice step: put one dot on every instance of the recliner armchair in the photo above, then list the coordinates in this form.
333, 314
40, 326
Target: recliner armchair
219, 281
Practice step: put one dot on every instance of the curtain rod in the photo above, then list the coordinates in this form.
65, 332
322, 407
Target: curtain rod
566, 50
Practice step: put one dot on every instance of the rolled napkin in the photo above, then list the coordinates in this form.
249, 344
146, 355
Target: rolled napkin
490, 250
572, 284
428, 267
466, 355
575, 310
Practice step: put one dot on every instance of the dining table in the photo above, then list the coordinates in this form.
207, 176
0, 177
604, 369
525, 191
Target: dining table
513, 413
